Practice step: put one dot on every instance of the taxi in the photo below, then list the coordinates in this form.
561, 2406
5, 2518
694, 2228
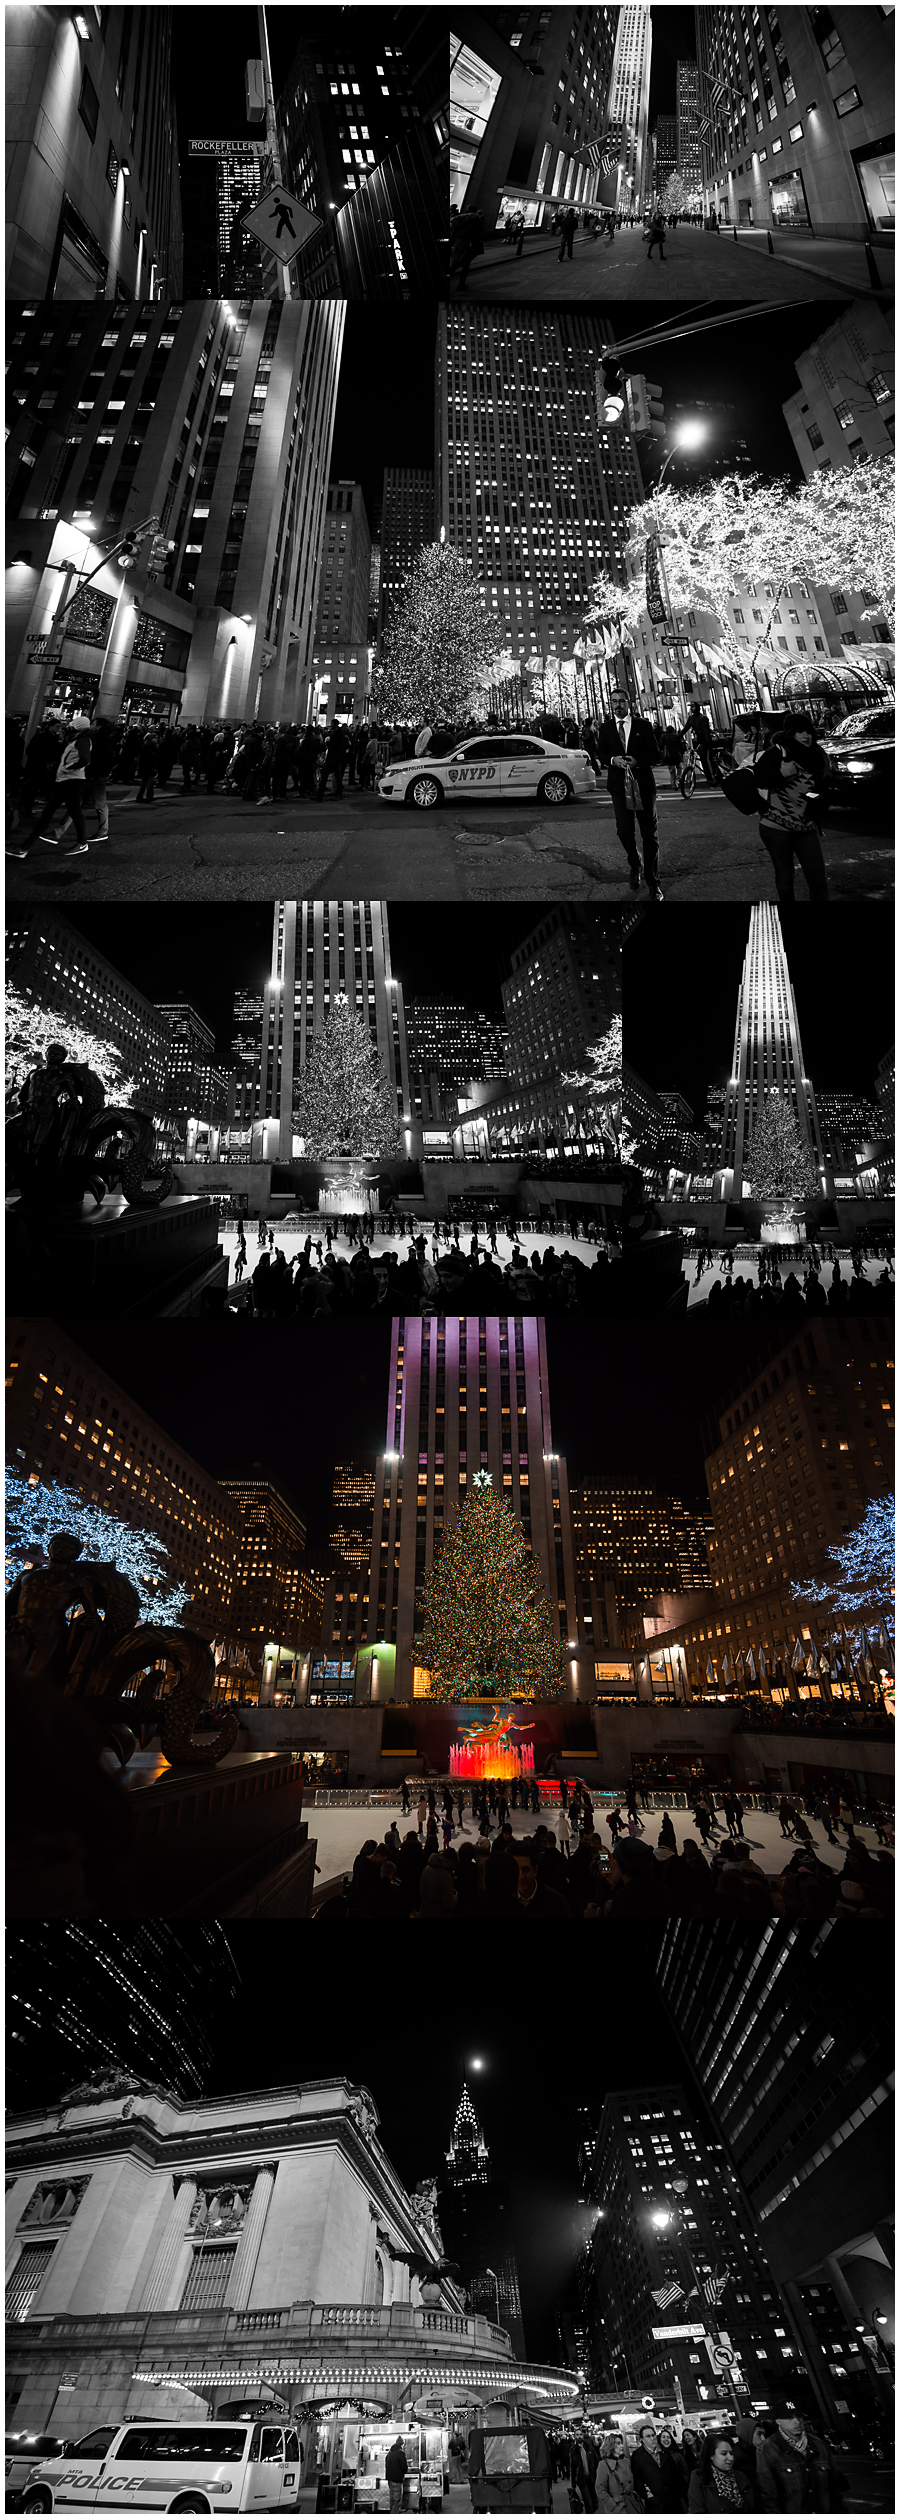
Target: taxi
490, 767
166, 2466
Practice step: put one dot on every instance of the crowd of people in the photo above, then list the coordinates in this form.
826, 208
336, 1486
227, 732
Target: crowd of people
431, 1278
792, 1299
748, 2463
462, 1858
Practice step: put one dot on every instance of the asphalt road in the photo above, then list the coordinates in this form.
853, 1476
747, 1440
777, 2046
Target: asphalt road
201, 848
697, 265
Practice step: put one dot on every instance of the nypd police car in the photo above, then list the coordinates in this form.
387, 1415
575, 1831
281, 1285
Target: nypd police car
492, 767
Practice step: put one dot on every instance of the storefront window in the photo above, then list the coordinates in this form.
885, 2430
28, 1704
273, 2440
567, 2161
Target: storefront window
876, 179
473, 94
787, 194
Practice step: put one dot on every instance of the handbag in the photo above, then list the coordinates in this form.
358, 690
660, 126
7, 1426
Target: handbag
741, 790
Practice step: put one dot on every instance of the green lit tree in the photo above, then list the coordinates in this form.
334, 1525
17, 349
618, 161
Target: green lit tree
488, 1622
440, 642
345, 1103
780, 1163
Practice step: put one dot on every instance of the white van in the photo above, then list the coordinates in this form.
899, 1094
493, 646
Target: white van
174, 2466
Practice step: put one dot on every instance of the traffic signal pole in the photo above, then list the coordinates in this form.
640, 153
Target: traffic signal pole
283, 268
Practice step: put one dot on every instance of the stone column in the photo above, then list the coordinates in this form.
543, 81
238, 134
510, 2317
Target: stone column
244, 2267
160, 2286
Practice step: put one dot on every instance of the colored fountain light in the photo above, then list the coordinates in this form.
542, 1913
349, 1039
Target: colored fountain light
483, 1758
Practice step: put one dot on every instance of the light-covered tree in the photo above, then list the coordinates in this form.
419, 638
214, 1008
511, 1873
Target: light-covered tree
34, 1513
858, 1576
843, 531
601, 1084
30, 1030
344, 1101
674, 195
780, 1163
440, 641
488, 1626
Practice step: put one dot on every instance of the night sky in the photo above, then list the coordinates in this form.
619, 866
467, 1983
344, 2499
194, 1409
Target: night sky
626, 1398
206, 954
748, 364
385, 405
674, 39
209, 74
681, 985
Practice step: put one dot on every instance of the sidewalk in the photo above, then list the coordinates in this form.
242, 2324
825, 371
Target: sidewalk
736, 264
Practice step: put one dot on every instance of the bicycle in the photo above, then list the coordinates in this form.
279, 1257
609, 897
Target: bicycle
720, 754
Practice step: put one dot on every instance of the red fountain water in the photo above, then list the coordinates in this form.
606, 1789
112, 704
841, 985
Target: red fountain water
491, 1758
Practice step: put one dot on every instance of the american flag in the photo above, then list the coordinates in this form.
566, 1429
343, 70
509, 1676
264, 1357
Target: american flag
713, 2287
667, 2293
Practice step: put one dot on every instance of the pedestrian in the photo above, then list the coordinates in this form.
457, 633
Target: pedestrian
786, 1816
629, 750
421, 1813
656, 233
714, 2483
567, 226
334, 760
396, 2467
794, 2468
148, 758
404, 1798
614, 1823
69, 790
104, 747
792, 777
614, 2486
675, 2469
466, 240
667, 1833
563, 1829
647, 2467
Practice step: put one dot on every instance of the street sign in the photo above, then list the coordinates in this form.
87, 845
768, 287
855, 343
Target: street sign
721, 2356
667, 2335
44, 649
281, 222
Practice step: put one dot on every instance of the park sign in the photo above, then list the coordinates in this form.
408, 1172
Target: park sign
281, 222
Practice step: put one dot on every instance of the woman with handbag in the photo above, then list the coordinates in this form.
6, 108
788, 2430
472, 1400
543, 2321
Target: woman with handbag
792, 776
614, 2485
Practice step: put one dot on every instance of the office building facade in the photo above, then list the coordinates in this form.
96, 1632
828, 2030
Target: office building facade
629, 99
93, 194
363, 144
322, 950
673, 2248
767, 1057
529, 105
663, 151
642, 1542
149, 1998
197, 1090
464, 1395
277, 1595
215, 419
453, 1043
796, 124
407, 523
564, 989
352, 1506
531, 489
789, 2041
343, 608
69, 1424
224, 179
63, 973
846, 403
477, 2227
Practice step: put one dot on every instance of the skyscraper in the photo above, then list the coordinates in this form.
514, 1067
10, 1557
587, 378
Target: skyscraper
564, 989
147, 1999
196, 1088
629, 99
790, 2042
531, 489
93, 205
322, 950
644, 1542
476, 2226
687, 104
664, 148
768, 1057
219, 420
463, 1395
407, 522
673, 2260
245, 1050
352, 1503
277, 1593
796, 127
529, 92
846, 404
224, 178
362, 130
344, 575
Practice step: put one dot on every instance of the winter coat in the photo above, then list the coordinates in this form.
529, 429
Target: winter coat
437, 1896
790, 2480
705, 2496
642, 749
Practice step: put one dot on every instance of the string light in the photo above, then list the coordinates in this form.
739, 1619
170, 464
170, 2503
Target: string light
440, 640
779, 1164
31, 1029
345, 1103
488, 1623
35, 1513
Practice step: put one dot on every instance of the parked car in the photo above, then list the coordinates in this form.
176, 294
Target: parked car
492, 767
24, 2451
159, 2465
860, 756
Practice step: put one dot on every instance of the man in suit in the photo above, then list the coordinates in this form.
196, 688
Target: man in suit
628, 749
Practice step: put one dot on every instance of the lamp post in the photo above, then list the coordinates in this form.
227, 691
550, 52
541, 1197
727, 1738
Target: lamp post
692, 434
489, 2270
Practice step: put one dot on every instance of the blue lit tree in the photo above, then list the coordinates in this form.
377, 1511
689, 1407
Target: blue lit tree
33, 1513
857, 1579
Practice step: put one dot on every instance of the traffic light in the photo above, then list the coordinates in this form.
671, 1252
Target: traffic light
128, 554
610, 391
646, 410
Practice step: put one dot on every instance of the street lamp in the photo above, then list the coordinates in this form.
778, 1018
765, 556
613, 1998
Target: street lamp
489, 2270
691, 434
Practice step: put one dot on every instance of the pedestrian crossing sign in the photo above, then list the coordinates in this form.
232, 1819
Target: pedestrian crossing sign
281, 222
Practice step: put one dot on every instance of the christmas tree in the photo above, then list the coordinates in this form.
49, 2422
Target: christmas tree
675, 196
33, 1514
488, 1621
345, 1103
780, 1164
439, 643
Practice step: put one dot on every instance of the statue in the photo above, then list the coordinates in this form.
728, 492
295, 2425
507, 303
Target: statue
76, 1624
65, 1141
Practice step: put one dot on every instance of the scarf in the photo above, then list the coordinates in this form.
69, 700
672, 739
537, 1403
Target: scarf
727, 2487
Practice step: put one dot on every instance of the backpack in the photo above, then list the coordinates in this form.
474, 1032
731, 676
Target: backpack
741, 790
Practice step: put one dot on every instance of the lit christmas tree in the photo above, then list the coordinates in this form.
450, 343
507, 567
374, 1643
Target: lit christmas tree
439, 644
780, 1163
34, 1513
601, 1084
675, 195
345, 1103
488, 1621
29, 1032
